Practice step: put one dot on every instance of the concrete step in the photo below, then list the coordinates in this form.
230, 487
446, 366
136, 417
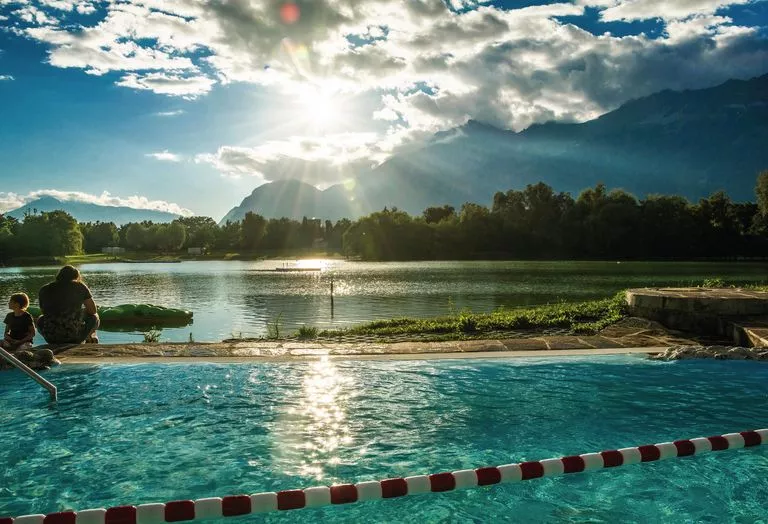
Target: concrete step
749, 332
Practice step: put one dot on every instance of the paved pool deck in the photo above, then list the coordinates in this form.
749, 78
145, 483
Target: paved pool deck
632, 335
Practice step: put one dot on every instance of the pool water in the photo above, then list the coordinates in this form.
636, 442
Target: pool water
134, 434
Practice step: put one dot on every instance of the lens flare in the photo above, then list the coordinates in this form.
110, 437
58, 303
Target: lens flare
290, 13
298, 55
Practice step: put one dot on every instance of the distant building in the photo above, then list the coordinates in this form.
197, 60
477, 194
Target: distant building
195, 251
113, 250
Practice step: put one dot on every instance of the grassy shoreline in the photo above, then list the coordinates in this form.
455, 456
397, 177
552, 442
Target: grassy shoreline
582, 318
136, 257
579, 318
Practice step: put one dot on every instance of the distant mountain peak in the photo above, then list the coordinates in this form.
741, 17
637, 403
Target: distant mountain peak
89, 212
690, 143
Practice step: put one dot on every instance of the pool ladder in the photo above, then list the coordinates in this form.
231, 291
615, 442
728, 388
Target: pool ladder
15, 362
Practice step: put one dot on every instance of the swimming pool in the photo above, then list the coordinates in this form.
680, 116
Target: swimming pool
154, 433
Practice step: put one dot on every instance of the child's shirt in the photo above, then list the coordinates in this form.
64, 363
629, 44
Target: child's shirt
19, 325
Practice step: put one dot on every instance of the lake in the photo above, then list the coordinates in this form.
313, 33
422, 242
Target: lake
241, 298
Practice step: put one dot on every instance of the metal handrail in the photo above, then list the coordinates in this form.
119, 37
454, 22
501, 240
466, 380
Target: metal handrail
32, 373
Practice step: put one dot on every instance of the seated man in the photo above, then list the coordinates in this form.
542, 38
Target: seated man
62, 301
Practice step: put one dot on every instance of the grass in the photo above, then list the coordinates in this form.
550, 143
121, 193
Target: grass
306, 333
152, 336
722, 284
585, 318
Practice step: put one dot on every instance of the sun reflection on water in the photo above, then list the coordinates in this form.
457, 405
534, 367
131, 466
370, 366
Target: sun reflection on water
311, 434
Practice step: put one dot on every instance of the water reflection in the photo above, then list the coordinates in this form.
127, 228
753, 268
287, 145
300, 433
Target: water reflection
311, 432
243, 298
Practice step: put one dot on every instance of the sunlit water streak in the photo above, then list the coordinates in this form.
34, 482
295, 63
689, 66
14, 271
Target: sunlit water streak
149, 433
241, 298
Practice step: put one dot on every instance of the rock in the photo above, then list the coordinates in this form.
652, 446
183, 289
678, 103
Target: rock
37, 359
711, 352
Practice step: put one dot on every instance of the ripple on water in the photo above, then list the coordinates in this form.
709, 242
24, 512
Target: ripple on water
149, 433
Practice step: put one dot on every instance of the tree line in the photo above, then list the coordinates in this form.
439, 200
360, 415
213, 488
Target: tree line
56, 234
538, 223
535, 222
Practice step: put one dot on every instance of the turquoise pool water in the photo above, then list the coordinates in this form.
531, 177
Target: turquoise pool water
156, 433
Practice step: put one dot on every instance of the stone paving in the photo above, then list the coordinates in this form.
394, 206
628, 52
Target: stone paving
739, 315
629, 333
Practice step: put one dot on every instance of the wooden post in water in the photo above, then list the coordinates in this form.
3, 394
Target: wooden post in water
331, 297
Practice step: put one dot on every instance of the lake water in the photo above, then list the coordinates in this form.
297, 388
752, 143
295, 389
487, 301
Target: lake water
241, 298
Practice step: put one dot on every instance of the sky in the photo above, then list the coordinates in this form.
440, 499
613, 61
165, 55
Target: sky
188, 105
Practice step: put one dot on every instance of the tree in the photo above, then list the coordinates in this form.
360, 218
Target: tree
228, 236
136, 236
99, 235
54, 233
434, 215
174, 236
6, 237
761, 190
252, 231
201, 231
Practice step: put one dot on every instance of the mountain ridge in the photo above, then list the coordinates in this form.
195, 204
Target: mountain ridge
88, 212
691, 143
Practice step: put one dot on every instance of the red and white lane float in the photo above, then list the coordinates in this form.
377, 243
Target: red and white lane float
212, 508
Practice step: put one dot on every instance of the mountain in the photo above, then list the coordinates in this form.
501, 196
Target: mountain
689, 143
296, 199
85, 212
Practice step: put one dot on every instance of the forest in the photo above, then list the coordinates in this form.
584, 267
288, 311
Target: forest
533, 223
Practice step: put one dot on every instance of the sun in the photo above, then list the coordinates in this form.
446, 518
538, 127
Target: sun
320, 110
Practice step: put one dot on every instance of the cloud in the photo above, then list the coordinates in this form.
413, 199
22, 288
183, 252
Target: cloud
165, 156
316, 160
629, 10
432, 64
9, 201
6, 78
170, 113
169, 84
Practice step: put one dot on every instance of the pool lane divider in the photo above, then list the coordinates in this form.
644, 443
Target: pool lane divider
315, 497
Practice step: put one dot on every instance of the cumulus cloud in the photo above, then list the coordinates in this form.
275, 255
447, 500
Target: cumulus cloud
9, 201
628, 10
316, 160
434, 63
165, 156
169, 84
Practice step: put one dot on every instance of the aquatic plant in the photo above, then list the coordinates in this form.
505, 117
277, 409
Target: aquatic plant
273, 327
580, 318
152, 336
713, 282
307, 333
466, 322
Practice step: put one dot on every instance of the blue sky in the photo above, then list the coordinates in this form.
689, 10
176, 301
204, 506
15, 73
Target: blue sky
189, 105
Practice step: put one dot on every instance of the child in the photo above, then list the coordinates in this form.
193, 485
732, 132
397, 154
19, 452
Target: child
19, 325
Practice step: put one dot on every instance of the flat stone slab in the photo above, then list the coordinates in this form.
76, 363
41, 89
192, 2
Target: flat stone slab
721, 302
751, 332
629, 333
